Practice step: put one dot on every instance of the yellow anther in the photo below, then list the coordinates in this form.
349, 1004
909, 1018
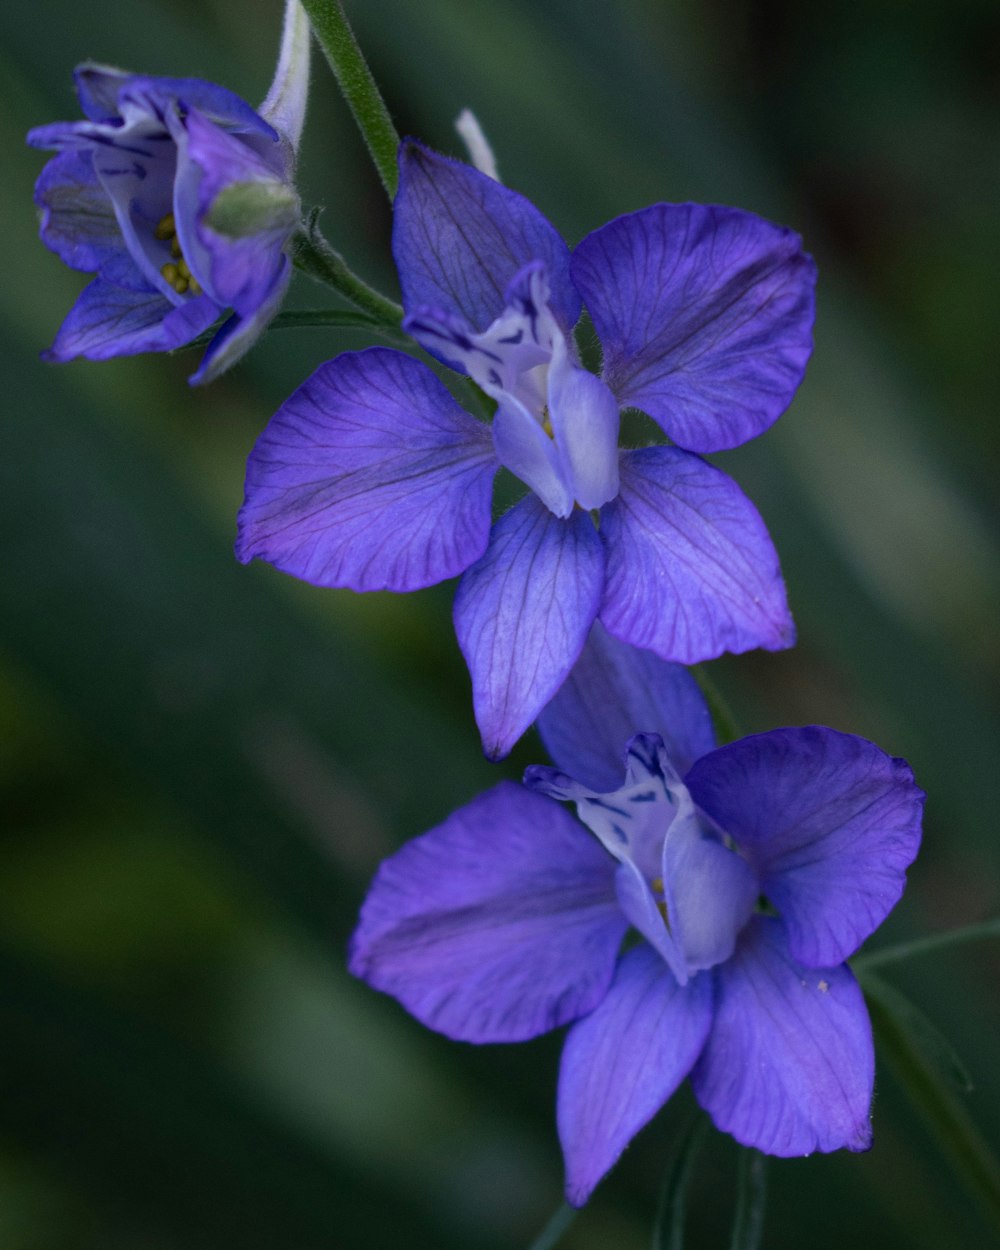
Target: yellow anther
194, 286
657, 884
166, 227
181, 286
183, 269
175, 247
170, 272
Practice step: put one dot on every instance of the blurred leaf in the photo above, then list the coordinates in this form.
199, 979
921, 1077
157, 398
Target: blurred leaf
924, 1036
668, 1229
947, 1118
924, 946
751, 1200
162, 1138
553, 1231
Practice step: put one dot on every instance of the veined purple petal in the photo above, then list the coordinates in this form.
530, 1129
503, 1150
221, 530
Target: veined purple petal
789, 1065
830, 823
621, 1063
497, 925
522, 614
370, 477
78, 222
692, 571
459, 238
613, 691
237, 335
109, 320
523, 447
705, 315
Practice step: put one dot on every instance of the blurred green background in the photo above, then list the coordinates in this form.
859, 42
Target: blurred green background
202, 763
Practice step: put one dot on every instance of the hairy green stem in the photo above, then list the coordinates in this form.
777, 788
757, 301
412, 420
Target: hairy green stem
313, 255
333, 31
554, 1229
726, 725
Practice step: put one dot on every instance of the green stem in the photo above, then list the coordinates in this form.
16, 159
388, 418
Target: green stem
751, 1196
330, 25
726, 725
923, 946
314, 256
554, 1229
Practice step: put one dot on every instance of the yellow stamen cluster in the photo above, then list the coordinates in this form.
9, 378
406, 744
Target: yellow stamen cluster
176, 271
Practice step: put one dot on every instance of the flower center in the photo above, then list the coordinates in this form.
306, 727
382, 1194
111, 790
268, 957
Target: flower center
176, 271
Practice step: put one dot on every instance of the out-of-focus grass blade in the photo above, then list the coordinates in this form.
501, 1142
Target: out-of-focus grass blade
751, 1201
923, 1035
553, 1231
159, 1138
957, 1136
668, 1228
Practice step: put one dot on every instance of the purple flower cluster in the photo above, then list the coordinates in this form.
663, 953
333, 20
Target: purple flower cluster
750, 873
371, 476
179, 197
694, 917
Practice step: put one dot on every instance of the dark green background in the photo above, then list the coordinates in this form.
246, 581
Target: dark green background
202, 763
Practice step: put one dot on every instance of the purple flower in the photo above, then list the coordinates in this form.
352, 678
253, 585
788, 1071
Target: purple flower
750, 872
372, 477
179, 197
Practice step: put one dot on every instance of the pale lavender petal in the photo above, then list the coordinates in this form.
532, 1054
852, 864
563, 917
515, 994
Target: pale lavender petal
621, 1063
109, 320
497, 925
369, 477
522, 614
459, 238
692, 571
584, 416
523, 447
614, 691
830, 823
78, 222
705, 315
788, 1066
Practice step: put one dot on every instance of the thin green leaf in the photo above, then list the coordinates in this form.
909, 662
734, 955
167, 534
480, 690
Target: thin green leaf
668, 1229
726, 726
925, 1036
312, 319
927, 945
751, 1200
553, 1231
945, 1115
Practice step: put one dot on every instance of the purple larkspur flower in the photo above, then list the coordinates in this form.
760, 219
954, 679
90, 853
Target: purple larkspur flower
179, 197
372, 477
507, 920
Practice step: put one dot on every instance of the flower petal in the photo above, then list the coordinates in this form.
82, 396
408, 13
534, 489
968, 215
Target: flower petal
109, 320
97, 88
621, 1063
496, 926
692, 571
830, 823
789, 1065
613, 692
584, 416
459, 238
78, 222
371, 477
237, 335
144, 94
238, 273
522, 614
705, 315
